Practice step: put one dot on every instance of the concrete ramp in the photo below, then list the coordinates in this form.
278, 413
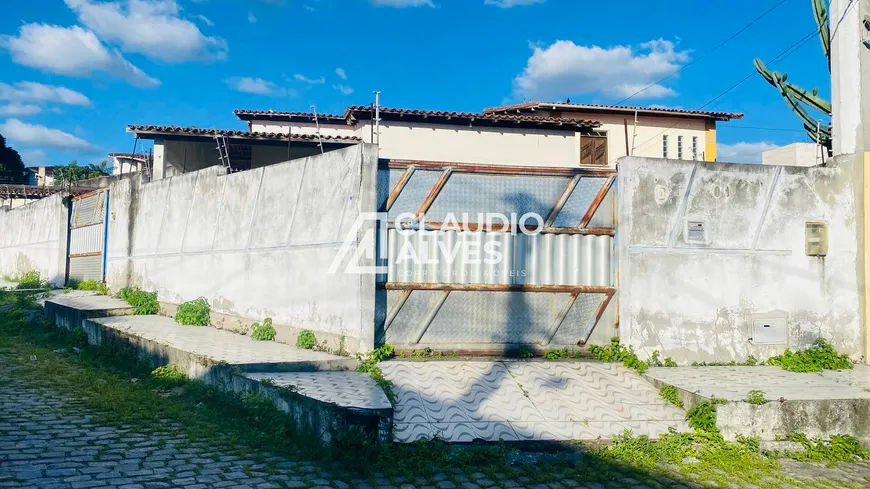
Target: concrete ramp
464, 401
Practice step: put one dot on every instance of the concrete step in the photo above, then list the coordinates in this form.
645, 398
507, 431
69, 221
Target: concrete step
817, 404
314, 388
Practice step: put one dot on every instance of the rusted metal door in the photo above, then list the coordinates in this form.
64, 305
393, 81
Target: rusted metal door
86, 254
549, 288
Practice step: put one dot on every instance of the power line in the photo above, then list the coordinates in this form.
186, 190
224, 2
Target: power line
733, 126
779, 57
699, 58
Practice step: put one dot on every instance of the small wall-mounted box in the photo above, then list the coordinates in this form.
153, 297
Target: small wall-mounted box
695, 232
769, 329
816, 239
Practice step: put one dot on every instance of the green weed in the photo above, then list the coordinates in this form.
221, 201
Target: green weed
193, 313
563, 353
840, 448
655, 360
170, 374
615, 352
142, 302
306, 340
368, 363
31, 280
525, 352
264, 331
94, 285
702, 417
820, 356
756, 398
669, 393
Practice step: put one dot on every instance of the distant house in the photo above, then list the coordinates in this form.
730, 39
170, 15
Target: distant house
124, 163
526, 135
41, 176
640, 131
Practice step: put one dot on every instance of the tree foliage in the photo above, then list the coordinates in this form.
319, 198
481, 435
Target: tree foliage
73, 172
11, 164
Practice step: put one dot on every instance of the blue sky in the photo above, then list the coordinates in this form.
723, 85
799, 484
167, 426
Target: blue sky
74, 73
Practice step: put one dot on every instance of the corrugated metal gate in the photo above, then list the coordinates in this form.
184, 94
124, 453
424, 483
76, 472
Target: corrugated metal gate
551, 287
87, 236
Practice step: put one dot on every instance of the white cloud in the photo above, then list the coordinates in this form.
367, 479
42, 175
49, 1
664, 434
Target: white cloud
44, 137
511, 3
149, 27
344, 89
32, 157
341, 74
205, 20
402, 3
17, 109
743, 152
310, 81
564, 68
258, 86
37, 92
71, 51
251, 17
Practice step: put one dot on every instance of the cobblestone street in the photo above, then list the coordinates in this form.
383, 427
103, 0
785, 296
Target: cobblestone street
50, 441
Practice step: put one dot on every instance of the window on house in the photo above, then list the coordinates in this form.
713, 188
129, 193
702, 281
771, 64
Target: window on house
695, 147
680, 147
665, 146
593, 151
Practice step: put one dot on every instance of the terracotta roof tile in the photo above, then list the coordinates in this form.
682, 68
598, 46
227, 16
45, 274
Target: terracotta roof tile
365, 112
232, 134
246, 115
531, 106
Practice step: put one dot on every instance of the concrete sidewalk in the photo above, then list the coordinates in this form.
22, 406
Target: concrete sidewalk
463, 401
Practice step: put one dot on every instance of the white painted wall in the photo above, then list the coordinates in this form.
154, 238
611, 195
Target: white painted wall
33, 237
694, 301
126, 165
846, 94
647, 136
255, 244
459, 144
796, 154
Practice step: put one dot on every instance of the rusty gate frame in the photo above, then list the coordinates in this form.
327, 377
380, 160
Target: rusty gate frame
582, 228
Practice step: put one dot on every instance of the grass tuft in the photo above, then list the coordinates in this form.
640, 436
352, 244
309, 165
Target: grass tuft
142, 302
264, 331
306, 340
820, 356
193, 313
615, 352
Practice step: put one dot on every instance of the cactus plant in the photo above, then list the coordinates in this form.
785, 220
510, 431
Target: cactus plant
795, 96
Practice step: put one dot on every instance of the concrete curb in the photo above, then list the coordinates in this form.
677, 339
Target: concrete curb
817, 418
324, 420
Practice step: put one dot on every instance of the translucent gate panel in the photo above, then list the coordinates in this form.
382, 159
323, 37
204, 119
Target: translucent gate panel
415, 191
467, 193
467, 257
579, 201
87, 235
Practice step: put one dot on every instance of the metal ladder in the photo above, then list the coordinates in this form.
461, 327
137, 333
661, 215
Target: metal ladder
224, 153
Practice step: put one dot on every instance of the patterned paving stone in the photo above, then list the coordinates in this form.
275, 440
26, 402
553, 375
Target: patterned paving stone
348, 389
509, 401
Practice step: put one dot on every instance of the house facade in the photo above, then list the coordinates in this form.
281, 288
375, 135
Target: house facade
459, 137
639, 131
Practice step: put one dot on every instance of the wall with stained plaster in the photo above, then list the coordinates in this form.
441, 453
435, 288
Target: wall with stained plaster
255, 244
33, 238
694, 300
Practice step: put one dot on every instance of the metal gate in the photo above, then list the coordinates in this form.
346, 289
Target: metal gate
86, 258
549, 288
